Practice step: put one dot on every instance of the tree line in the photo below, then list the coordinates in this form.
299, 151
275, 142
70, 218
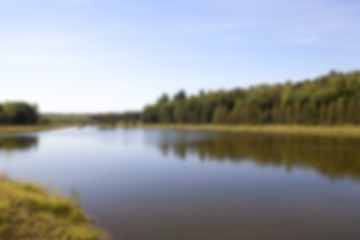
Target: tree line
16, 113
332, 99
114, 118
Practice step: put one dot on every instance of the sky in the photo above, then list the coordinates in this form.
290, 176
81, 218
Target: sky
113, 55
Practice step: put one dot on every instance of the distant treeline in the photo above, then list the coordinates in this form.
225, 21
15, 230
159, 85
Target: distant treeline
88, 118
13, 113
113, 118
333, 99
67, 118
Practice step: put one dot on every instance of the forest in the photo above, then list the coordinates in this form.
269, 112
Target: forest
332, 99
18, 113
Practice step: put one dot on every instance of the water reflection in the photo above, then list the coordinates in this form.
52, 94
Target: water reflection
329, 156
122, 180
18, 143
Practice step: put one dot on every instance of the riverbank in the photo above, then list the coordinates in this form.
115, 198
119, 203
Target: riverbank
31, 128
345, 131
29, 212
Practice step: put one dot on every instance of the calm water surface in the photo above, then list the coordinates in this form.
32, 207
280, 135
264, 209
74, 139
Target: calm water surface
172, 185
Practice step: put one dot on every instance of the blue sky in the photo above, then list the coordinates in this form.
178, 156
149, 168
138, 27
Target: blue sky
113, 55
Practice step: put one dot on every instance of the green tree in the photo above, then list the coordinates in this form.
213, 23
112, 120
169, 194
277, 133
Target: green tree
179, 112
331, 113
297, 113
19, 113
328, 99
352, 112
340, 111
220, 115
323, 114
289, 115
2, 117
181, 95
163, 99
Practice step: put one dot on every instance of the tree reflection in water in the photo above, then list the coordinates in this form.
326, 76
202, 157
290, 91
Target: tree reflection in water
330, 156
17, 143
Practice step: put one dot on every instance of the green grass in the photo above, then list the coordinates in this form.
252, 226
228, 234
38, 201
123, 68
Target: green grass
30, 128
350, 131
28, 212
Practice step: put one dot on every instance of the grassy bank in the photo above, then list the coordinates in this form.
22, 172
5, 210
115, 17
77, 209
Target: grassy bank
346, 131
31, 128
29, 212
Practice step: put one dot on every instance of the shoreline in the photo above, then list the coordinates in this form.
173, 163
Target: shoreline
29, 210
30, 128
335, 131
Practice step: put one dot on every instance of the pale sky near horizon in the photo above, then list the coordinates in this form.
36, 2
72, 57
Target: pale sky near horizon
108, 55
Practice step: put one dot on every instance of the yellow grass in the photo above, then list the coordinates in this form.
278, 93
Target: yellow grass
351, 131
29, 212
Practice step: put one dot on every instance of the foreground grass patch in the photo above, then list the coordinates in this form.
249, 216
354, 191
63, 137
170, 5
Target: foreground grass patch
27, 212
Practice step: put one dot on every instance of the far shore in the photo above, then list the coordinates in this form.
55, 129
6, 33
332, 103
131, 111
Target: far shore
6, 129
343, 131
